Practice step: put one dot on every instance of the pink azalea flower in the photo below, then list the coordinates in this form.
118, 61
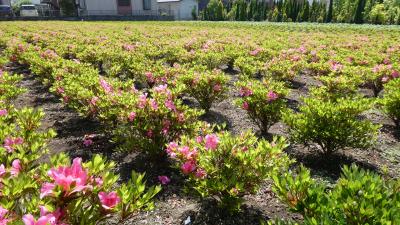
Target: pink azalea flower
245, 106
272, 96
150, 133
3, 112
386, 61
47, 189
94, 100
377, 68
3, 212
98, 181
295, 58
217, 87
166, 126
142, 100
395, 74
3, 220
188, 167
87, 142
164, 180
131, 116
15, 167
71, 179
385, 79
171, 148
109, 200
199, 139
335, 66
185, 151
255, 52
153, 104
66, 99
200, 173
2, 170
212, 141
106, 86
161, 88
245, 91
60, 90
128, 47
181, 117
43, 220
10, 143
170, 105
150, 77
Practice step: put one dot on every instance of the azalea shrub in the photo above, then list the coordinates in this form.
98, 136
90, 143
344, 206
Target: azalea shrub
358, 197
205, 86
391, 101
58, 192
379, 75
264, 101
227, 167
340, 85
77, 193
152, 120
8, 87
332, 124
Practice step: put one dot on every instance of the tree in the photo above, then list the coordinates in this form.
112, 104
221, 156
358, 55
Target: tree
358, 18
16, 5
68, 7
330, 12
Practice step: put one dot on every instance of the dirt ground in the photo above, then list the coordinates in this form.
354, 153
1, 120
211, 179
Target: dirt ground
173, 206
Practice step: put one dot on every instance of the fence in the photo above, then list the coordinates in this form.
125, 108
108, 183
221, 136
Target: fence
46, 14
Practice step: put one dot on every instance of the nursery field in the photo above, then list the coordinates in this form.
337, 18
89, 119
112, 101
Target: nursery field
199, 123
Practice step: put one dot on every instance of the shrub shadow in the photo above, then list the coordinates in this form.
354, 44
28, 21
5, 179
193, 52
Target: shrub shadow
391, 129
210, 214
214, 117
328, 165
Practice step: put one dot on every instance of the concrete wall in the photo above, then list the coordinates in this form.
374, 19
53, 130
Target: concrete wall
101, 7
182, 10
137, 5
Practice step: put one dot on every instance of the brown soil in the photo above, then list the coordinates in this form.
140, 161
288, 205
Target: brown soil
173, 206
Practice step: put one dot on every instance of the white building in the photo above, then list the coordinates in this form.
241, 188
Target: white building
181, 9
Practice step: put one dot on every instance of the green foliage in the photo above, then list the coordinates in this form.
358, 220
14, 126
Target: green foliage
227, 167
391, 100
8, 87
214, 11
358, 197
332, 123
16, 5
206, 87
264, 101
67, 7
134, 195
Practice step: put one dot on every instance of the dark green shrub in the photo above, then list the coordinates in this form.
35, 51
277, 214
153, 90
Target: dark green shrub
358, 197
332, 124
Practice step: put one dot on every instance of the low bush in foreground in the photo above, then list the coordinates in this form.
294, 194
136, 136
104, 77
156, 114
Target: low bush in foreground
332, 123
358, 197
226, 167
58, 192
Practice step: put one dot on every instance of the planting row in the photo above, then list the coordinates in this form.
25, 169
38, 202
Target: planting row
136, 90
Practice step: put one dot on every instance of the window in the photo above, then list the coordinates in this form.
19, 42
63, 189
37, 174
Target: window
124, 2
27, 7
146, 4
